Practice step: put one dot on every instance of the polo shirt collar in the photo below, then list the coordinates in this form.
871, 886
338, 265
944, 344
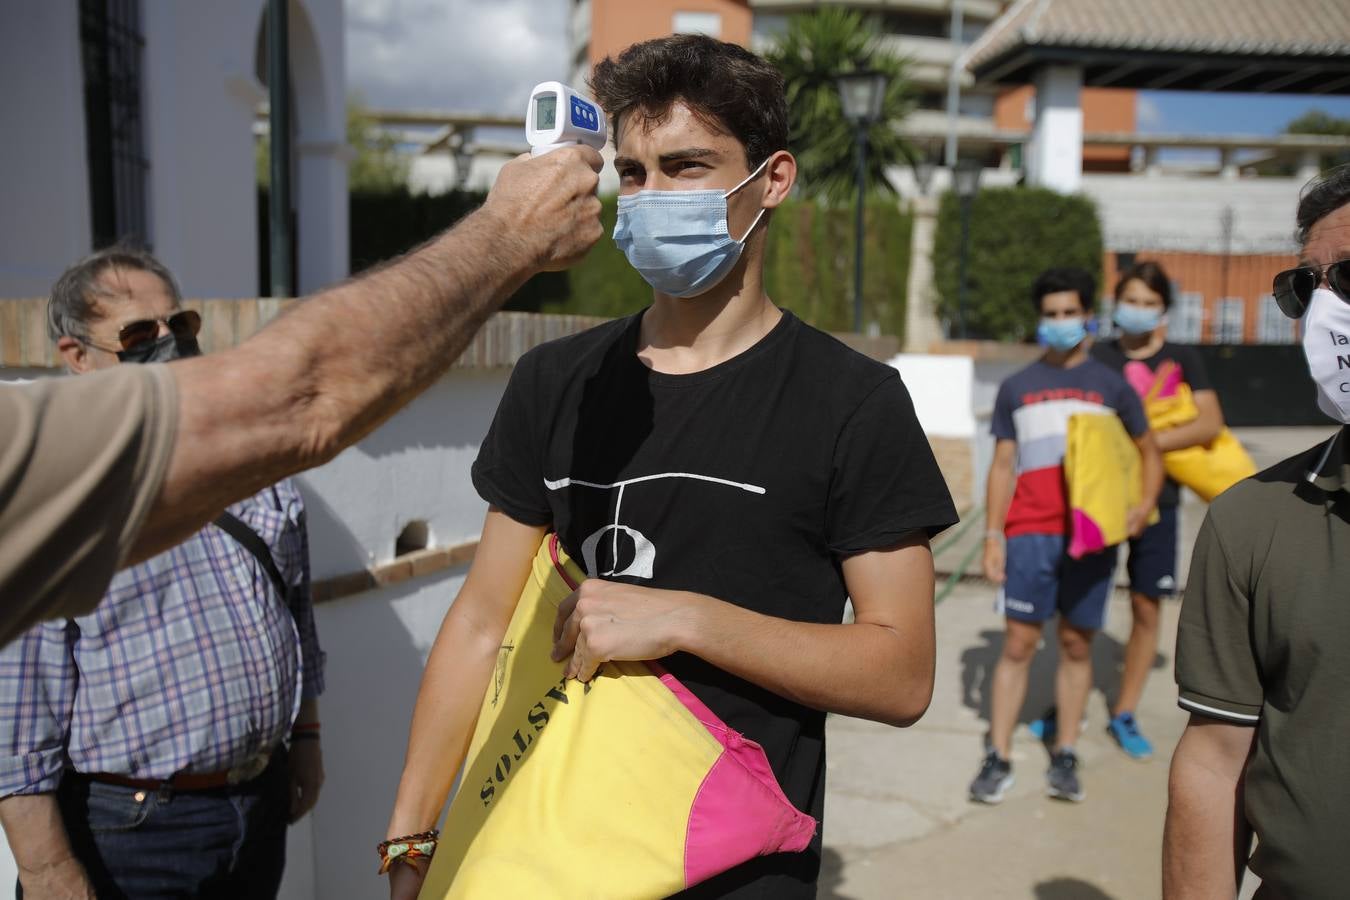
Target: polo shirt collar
1331, 472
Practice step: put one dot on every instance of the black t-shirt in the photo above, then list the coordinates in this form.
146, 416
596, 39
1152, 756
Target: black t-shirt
746, 482
1141, 373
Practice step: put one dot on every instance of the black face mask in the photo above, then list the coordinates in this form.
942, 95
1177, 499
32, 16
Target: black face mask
166, 349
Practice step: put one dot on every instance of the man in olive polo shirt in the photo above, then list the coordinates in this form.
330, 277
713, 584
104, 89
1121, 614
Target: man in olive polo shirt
1263, 646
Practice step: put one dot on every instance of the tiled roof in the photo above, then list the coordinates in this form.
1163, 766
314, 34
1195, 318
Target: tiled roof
1247, 28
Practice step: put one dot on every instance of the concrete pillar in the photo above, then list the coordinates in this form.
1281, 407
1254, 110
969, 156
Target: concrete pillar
1055, 154
1228, 168
1151, 165
922, 329
1309, 165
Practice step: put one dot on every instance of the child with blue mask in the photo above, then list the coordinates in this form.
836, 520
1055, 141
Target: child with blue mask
1151, 364
1025, 544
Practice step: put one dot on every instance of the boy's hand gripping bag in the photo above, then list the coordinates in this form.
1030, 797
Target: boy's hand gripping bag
627, 787
1104, 477
1209, 469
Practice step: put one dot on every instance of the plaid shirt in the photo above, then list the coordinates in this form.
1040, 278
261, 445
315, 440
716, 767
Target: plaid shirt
191, 662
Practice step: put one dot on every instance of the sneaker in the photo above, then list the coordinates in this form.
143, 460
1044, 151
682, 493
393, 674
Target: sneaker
1061, 779
1125, 730
1044, 728
993, 780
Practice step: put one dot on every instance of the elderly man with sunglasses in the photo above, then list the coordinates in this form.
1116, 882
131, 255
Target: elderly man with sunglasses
1263, 645
144, 746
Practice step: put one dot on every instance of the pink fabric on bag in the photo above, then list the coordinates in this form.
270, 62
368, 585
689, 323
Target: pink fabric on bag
1087, 536
740, 811
728, 801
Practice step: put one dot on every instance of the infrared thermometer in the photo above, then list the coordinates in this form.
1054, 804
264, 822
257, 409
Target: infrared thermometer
558, 116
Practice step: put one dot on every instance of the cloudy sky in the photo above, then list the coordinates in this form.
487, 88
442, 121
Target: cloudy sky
460, 55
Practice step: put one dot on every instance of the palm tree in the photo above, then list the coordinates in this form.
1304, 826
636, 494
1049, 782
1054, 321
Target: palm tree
816, 48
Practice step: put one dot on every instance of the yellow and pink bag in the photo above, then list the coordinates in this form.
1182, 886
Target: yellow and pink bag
1104, 478
626, 787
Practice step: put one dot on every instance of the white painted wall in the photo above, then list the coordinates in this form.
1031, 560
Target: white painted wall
44, 182
199, 93
1185, 212
942, 390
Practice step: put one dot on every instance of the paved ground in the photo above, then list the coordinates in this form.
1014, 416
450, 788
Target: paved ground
899, 824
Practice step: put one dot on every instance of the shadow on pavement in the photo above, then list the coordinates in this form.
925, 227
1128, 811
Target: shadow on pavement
977, 673
831, 876
1069, 889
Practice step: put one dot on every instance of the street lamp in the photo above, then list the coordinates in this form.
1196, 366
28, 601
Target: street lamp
966, 182
463, 157
860, 94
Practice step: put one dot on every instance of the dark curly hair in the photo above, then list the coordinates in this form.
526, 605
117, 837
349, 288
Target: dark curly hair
1320, 198
1067, 278
729, 89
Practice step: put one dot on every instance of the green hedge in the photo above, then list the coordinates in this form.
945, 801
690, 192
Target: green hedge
1015, 234
808, 268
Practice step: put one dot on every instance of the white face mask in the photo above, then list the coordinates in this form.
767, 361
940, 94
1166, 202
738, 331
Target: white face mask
1326, 344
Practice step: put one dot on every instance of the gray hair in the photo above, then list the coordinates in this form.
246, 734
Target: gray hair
71, 304
1320, 198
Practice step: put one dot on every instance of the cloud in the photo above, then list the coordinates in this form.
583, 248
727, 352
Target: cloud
454, 55
1149, 116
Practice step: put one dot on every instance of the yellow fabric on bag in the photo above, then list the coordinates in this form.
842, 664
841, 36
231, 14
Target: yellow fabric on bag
1209, 469
1104, 476
614, 781
1212, 468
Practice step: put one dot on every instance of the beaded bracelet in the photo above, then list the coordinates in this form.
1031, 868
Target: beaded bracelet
407, 848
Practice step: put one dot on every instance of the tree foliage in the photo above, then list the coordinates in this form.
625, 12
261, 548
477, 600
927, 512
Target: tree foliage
1015, 234
1315, 121
817, 47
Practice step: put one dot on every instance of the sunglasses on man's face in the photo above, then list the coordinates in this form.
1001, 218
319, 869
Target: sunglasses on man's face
1294, 287
182, 324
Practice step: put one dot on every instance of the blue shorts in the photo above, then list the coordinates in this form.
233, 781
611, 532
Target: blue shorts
1041, 578
1152, 563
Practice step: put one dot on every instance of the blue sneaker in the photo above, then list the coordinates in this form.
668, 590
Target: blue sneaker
1125, 730
1044, 728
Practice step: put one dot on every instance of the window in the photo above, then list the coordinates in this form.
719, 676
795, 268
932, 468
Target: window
1185, 318
1231, 314
1273, 327
709, 23
111, 46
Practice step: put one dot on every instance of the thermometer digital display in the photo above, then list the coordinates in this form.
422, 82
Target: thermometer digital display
558, 116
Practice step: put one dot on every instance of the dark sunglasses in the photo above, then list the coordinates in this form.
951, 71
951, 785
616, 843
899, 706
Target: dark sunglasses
182, 324
1294, 287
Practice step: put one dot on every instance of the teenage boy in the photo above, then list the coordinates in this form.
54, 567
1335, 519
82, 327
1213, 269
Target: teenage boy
1024, 549
726, 474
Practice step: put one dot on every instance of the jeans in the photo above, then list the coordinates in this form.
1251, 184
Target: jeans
217, 844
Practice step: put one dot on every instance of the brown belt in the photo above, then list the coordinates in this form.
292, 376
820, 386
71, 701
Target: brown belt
188, 781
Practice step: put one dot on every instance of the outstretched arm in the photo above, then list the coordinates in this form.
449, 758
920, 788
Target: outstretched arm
341, 362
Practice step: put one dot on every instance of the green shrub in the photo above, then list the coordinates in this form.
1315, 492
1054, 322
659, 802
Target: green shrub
1015, 234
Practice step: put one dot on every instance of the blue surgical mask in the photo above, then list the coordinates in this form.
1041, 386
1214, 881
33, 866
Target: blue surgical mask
1136, 319
1061, 334
678, 240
